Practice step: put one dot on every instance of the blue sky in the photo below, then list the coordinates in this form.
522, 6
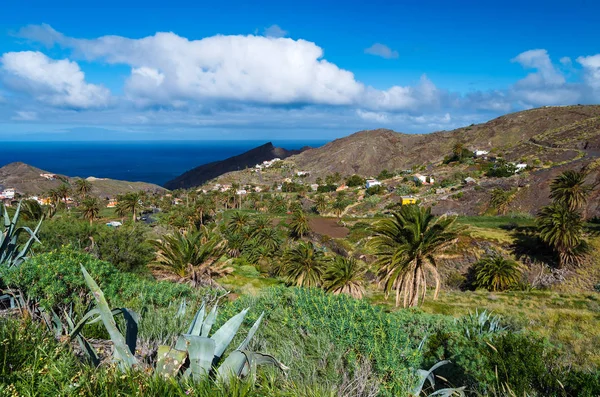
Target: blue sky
272, 70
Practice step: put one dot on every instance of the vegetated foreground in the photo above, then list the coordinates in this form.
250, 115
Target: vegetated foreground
355, 289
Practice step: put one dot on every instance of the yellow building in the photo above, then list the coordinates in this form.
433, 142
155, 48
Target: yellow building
409, 200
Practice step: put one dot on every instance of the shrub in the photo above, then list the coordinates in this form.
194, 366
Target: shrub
355, 180
55, 279
385, 174
496, 273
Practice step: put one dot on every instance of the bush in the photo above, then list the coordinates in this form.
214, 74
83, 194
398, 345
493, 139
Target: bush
55, 279
356, 180
501, 169
385, 174
373, 190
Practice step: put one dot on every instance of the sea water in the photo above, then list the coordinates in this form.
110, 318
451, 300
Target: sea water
136, 161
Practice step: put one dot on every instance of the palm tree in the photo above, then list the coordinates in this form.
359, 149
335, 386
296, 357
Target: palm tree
458, 150
569, 188
191, 258
496, 273
562, 229
304, 265
83, 187
63, 192
129, 203
269, 238
238, 221
501, 199
299, 225
338, 206
321, 203
346, 276
31, 210
90, 208
406, 247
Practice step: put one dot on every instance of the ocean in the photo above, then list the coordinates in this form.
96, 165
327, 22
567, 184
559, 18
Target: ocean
136, 161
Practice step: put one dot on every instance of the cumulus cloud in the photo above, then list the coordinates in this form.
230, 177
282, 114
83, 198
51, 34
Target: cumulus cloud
275, 31
56, 82
591, 70
546, 86
381, 50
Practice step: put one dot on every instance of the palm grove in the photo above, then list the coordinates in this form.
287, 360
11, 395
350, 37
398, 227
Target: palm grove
200, 242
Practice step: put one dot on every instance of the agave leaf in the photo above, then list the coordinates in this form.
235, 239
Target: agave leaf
182, 308
226, 333
169, 361
131, 331
201, 352
235, 363
424, 376
251, 333
209, 322
122, 354
85, 346
197, 324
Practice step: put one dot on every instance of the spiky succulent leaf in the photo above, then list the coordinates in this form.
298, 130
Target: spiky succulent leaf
201, 351
169, 361
226, 333
122, 354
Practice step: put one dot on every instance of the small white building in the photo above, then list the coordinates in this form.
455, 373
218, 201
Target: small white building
479, 153
8, 193
372, 182
50, 177
114, 224
302, 173
425, 180
314, 187
241, 192
520, 167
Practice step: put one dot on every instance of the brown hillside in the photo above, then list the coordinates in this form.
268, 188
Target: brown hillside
26, 180
369, 152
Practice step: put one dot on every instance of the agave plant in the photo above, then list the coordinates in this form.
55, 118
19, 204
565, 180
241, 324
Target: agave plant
480, 324
12, 253
201, 352
427, 375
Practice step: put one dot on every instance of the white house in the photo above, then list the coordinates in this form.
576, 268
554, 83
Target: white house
314, 187
425, 180
241, 192
50, 177
372, 182
479, 153
114, 224
8, 193
520, 167
302, 173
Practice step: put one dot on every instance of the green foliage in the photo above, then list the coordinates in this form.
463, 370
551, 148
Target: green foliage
326, 188
385, 174
355, 180
299, 226
378, 189
304, 265
496, 273
406, 246
54, 279
12, 252
570, 189
404, 190
561, 228
502, 169
190, 257
346, 276
501, 199
333, 179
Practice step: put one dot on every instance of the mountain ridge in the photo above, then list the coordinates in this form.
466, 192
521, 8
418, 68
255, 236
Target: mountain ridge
205, 172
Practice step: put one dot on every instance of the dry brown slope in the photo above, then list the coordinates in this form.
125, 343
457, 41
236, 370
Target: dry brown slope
26, 180
368, 152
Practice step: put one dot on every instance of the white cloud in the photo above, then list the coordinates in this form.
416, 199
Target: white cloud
546, 86
56, 82
381, 50
275, 31
23, 115
591, 70
566, 61
372, 116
